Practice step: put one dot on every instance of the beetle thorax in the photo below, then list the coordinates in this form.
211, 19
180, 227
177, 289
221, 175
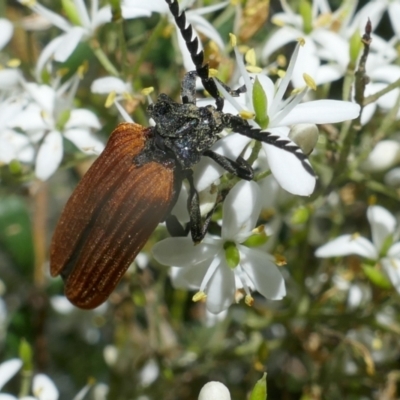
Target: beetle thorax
185, 129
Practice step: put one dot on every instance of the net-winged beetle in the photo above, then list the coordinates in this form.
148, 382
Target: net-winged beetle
134, 183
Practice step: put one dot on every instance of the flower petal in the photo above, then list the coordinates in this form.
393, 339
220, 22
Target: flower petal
181, 252
263, 272
81, 117
69, 43
241, 210
214, 391
383, 224
189, 277
394, 251
44, 388
46, 55
384, 155
49, 155
102, 16
9, 78
322, 112
8, 369
84, 140
289, 171
221, 288
6, 29
108, 84
392, 268
203, 26
348, 244
394, 12
279, 39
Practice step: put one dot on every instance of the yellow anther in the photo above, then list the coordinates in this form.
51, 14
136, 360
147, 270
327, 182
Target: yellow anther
309, 81
199, 296
110, 99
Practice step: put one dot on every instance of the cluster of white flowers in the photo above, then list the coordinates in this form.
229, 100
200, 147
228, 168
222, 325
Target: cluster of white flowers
37, 117
42, 388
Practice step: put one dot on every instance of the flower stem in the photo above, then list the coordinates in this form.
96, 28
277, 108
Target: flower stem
148, 46
373, 97
103, 59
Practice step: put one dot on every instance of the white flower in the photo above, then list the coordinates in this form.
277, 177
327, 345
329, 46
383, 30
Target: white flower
121, 90
325, 55
381, 249
43, 388
383, 156
49, 117
8, 369
214, 391
375, 9
209, 265
280, 114
13, 144
382, 71
82, 26
193, 17
6, 29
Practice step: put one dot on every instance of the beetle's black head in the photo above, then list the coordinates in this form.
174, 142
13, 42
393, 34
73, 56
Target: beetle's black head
185, 129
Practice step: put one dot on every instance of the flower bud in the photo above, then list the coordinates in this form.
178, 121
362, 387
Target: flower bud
384, 155
214, 391
305, 136
392, 178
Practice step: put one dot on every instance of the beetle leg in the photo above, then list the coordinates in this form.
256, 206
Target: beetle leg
232, 92
174, 227
198, 228
240, 167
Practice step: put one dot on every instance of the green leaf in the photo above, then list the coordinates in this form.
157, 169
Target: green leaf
376, 276
355, 46
71, 12
300, 215
15, 231
386, 245
63, 119
15, 167
232, 254
305, 11
259, 391
260, 103
256, 240
25, 353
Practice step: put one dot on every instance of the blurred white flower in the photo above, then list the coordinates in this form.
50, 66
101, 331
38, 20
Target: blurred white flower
43, 388
214, 391
219, 266
383, 249
325, 55
382, 71
375, 9
81, 26
14, 145
6, 29
48, 117
116, 89
193, 17
149, 373
383, 156
8, 369
392, 178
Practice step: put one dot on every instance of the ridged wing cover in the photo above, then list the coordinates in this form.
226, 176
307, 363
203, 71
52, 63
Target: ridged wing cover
109, 217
